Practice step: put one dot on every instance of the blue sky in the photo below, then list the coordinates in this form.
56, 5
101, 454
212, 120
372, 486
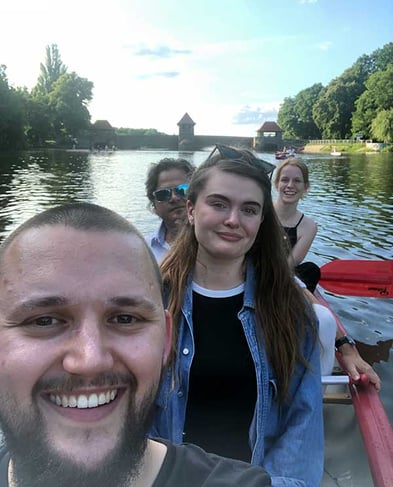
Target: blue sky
228, 63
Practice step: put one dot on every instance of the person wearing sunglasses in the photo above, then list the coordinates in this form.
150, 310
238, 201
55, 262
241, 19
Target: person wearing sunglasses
244, 377
166, 188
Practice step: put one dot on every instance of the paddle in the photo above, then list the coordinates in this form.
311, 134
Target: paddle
369, 278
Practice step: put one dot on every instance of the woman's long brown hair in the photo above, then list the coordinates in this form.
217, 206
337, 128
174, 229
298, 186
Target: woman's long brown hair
281, 309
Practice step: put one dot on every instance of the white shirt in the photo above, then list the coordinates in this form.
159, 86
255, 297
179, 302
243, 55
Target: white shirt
157, 243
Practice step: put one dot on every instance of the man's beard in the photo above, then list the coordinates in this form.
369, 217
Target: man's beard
36, 464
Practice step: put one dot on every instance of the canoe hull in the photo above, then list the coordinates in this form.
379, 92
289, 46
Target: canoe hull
374, 425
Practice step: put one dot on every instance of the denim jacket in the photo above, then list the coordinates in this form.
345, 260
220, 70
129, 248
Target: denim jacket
286, 437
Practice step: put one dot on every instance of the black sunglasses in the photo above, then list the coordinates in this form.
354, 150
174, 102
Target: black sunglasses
231, 153
165, 194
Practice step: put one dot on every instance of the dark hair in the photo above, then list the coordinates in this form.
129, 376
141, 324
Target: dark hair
81, 216
156, 168
281, 310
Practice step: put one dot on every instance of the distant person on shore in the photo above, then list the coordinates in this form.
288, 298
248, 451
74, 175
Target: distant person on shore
84, 339
166, 188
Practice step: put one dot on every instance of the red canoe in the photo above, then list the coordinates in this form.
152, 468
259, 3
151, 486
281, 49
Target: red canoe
374, 425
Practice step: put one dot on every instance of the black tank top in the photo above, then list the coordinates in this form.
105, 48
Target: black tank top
292, 232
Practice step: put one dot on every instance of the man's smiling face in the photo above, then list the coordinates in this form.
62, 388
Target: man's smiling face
83, 339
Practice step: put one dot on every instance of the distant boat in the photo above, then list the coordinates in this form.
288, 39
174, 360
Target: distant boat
335, 152
285, 153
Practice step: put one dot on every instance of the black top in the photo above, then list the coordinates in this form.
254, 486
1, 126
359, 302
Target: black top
222, 390
292, 232
189, 465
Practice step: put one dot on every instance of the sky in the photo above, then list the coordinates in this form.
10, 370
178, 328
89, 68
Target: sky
228, 63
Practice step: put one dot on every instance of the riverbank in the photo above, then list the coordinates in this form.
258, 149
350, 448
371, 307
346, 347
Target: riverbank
356, 148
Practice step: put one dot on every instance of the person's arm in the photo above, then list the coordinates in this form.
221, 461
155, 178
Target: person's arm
350, 356
354, 364
306, 233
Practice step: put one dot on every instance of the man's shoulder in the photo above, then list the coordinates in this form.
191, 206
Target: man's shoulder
189, 465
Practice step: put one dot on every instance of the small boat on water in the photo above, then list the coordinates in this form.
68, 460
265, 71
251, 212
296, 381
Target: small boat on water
357, 408
335, 153
280, 155
284, 154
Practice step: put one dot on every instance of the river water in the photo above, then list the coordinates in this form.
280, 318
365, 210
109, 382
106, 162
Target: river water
351, 198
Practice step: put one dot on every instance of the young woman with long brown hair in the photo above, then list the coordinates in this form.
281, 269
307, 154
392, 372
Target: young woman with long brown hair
244, 380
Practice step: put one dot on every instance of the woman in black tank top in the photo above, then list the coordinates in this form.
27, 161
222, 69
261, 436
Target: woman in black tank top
292, 182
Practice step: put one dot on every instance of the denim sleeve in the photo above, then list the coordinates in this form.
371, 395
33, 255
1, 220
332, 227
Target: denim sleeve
287, 482
298, 453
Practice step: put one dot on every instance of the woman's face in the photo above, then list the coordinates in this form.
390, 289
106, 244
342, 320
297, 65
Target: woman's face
291, 186
227, 215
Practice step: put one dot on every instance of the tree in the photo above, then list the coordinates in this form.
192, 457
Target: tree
11, 114
287, 118
51, 71
38, 126
304, 102
382, 57
382, 126
377, 96
68, 101
333, 111
295, 115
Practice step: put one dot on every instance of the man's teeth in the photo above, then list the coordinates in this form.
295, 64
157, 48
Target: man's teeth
83, 401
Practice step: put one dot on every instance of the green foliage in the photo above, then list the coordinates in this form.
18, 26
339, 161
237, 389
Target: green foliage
56, 109
139, 132
68, 102
50, 72
38, 125
333, 110
382, 126
287, 118
347, 105
296, 117
377, 96
11, 114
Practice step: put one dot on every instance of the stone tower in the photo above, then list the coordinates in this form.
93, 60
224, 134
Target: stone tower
186, 132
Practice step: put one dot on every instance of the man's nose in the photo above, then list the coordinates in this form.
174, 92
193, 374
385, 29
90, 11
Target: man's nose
88, 352
174, 195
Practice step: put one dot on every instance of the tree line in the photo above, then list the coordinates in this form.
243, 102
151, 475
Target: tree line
358, 102
55, 110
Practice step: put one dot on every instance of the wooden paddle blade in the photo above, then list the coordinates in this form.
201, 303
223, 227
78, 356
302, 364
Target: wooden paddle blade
368, 278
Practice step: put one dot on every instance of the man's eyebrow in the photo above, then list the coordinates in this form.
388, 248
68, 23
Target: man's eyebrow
44, 302
134, 301
50, 301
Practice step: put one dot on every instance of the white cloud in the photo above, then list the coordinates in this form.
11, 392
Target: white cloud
325, 46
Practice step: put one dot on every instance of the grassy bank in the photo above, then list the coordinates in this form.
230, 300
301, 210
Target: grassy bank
344, 148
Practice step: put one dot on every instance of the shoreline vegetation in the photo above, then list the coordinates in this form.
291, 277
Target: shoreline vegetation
321, 148
346, 148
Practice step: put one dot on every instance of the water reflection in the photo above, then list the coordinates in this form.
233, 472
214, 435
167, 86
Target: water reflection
33, 181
